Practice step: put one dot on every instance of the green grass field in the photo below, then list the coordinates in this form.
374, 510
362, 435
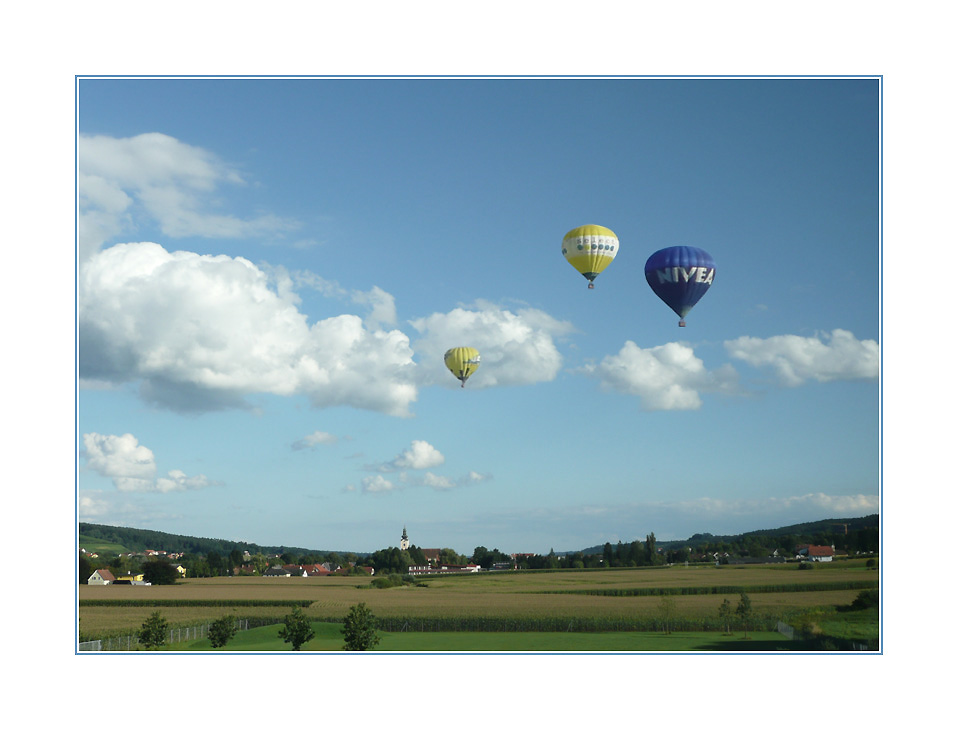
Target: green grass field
329, 639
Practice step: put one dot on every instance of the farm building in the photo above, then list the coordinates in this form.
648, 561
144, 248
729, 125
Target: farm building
276, 572
818, 553
101, 577
442, 569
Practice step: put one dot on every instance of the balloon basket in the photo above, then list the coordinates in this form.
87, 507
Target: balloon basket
681, 323
591, 285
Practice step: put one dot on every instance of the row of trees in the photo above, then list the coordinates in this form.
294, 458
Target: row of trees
359, 630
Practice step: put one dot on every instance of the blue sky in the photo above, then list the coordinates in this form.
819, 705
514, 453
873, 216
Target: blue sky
269, 271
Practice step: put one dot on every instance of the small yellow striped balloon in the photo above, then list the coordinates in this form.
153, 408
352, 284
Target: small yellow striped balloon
590, 249
462, 362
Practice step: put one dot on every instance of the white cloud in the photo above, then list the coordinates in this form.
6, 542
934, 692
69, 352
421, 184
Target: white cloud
201, 332
382, 307
812, 503
177, 481
381, 304
826, 357
315, 439
132, 467
666, 377
156, 176
443, 483
421, 455
377, 483
437, 482
517, 348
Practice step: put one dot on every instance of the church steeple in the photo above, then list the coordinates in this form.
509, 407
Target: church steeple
404, 541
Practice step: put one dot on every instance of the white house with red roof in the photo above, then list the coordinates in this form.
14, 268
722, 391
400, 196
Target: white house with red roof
100, 577
817, 553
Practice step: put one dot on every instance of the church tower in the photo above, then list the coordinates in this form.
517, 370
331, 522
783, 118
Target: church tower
404, 541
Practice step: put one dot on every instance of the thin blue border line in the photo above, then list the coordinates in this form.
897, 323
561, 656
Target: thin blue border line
373, 77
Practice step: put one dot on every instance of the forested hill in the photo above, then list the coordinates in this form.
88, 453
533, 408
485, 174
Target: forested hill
860, 531
820, 532
136, 540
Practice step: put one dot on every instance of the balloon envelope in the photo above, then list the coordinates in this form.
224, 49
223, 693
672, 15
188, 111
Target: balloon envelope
462, 362
680, 276
590, 249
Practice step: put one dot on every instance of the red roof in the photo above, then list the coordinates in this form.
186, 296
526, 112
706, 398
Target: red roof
820, 551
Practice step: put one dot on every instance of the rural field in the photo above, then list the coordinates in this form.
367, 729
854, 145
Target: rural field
589, 600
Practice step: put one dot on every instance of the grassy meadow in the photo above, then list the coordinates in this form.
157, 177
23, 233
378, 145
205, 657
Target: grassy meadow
329, 639
602, 601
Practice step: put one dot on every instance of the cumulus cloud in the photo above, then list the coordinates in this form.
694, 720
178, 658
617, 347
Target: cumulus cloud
315, 439
825, 357
377, 483
160, 178
666, 377
411, 468
201, 332
132, 466
381, 304
443, 483
420, 455
517, 348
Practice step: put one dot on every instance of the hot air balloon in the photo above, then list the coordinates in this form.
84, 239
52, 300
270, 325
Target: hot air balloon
680, 276
462, 362
590, 249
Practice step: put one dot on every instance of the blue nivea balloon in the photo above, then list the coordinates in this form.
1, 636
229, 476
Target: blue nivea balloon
680, 276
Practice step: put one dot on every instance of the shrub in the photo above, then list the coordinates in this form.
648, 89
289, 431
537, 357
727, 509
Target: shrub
866, 599
153, 632
359, 629
296, 629
222, 630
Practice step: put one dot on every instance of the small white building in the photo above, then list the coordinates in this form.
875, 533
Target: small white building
100, 577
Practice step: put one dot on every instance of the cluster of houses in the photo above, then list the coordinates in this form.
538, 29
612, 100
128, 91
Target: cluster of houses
317, 570
815, 553
104, 577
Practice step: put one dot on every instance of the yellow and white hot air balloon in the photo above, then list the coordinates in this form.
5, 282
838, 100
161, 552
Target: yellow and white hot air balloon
590, 249
462, 362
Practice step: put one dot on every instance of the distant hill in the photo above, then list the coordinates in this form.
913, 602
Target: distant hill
106, 538
109, 539
810, 530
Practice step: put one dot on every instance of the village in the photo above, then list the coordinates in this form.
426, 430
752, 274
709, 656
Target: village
430, 563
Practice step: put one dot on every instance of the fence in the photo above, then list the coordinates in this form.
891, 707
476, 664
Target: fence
785, 630
176, 635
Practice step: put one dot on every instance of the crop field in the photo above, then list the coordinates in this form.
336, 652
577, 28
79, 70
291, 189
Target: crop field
596, 600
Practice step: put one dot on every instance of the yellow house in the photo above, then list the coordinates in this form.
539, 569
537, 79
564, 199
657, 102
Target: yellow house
181, 570
129, 578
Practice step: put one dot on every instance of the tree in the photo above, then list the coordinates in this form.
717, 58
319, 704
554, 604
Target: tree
221, 631
296, 629
725, 613
215, 561
650, 552
744, 609
153, 631
85, 569
159, 572
359, 629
